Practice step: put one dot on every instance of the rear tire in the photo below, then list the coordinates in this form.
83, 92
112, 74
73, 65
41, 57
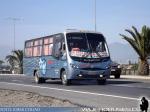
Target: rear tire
101, 81
37, 79
43, 80
64, 79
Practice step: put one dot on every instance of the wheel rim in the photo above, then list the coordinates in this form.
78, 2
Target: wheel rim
36, 78
64, 78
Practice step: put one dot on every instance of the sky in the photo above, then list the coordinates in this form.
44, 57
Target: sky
45, 17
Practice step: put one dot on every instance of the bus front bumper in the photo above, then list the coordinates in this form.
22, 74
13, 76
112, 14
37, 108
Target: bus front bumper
86, 74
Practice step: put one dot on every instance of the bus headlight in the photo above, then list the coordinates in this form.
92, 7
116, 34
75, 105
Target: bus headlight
108, 67
119, 66
100, 75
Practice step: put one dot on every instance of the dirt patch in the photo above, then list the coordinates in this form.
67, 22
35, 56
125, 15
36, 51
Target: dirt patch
27, 99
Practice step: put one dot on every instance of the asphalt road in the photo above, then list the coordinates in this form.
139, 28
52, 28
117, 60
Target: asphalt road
118, 93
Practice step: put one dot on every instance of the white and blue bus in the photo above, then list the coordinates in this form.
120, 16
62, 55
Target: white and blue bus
72, 55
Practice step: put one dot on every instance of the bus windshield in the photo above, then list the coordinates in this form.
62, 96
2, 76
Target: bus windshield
87, 45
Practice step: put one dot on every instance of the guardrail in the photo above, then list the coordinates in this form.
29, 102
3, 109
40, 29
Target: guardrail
130, 72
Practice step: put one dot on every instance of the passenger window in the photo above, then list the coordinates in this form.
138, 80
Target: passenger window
28, 48
58, 45
37, 51
48, 46
37, 48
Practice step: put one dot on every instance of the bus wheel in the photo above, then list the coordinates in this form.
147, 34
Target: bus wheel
117, 76
37, 78
43, 80
64, 79
101, 81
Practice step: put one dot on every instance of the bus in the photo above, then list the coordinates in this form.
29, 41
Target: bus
71, 55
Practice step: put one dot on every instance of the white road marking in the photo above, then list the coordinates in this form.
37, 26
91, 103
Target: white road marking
66, 90
131, 86
12, 75
16, 80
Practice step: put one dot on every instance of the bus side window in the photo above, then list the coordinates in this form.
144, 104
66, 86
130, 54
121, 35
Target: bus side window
28, 49
57, 50
63, 52
58, 46
48, 46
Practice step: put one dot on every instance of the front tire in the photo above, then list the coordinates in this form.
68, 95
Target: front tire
64, 79
117, 76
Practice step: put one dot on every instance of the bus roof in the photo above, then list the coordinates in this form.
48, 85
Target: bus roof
81, 31
43, 37
66, 31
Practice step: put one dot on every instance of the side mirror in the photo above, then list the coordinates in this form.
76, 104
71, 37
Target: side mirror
64, 47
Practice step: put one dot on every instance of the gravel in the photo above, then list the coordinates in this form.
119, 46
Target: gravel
27, 99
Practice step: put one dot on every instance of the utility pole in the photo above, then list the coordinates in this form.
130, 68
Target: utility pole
14, 20
95, 14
